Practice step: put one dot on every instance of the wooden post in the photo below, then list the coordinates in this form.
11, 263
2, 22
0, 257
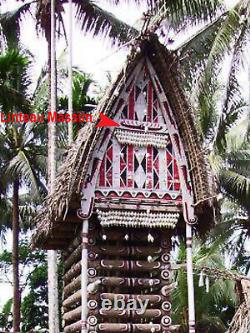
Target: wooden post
52, 255
70, 79
190, 281
84, 276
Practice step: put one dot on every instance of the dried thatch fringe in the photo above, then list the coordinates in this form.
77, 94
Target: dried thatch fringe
241, 320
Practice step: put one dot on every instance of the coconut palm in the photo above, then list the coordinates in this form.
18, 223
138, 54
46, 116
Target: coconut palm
215, 299
232, 29
86, 13
218, 100
19, 149
81, 101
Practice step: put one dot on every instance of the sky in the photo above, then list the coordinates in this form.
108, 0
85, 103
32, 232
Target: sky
92, 55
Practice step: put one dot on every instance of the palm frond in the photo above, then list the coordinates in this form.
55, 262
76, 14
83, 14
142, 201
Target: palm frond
20, 166
43, 18
236, 185
10, 24
194, 52
227, 36
233, 104
207, 111
179, 13
98, 21
5, 216
14, 81
240, 161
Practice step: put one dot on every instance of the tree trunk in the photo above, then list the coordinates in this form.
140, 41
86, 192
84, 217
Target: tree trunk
15, 259
52, 255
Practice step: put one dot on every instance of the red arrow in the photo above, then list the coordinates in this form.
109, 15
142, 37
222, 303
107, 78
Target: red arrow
106, 122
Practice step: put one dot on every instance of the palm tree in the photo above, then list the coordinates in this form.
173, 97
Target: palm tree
46, 22
18, 151
86, 12
81, 101
215, 299
229, 33
218, 100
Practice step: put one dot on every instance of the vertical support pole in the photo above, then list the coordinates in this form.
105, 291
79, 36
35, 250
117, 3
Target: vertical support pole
84, 276
70, 75
190, 280
52, 255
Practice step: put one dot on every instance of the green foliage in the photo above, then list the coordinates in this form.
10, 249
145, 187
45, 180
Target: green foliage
6, 315
214, 309
14, 81
19, 143
82, 102
183, 13
34, 308
10, 24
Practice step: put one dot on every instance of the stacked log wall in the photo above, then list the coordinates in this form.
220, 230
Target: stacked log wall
122, 263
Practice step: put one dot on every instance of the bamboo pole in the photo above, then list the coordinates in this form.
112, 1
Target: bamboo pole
84, 276
190, 281
52, 255
70, 76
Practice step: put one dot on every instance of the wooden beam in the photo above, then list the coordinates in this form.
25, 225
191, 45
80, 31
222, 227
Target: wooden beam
74, 271
128, 328
127, 315
73, 257
71, 300
143, 205
153, 299
115, 250
73, 314
76, 327
55, 244
72, 286
113, 281
127, 265
72, 219
73, 244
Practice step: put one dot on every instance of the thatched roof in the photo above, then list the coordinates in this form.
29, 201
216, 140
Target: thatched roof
58, 212
241, 319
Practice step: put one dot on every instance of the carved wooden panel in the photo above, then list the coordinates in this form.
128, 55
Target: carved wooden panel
140, 160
